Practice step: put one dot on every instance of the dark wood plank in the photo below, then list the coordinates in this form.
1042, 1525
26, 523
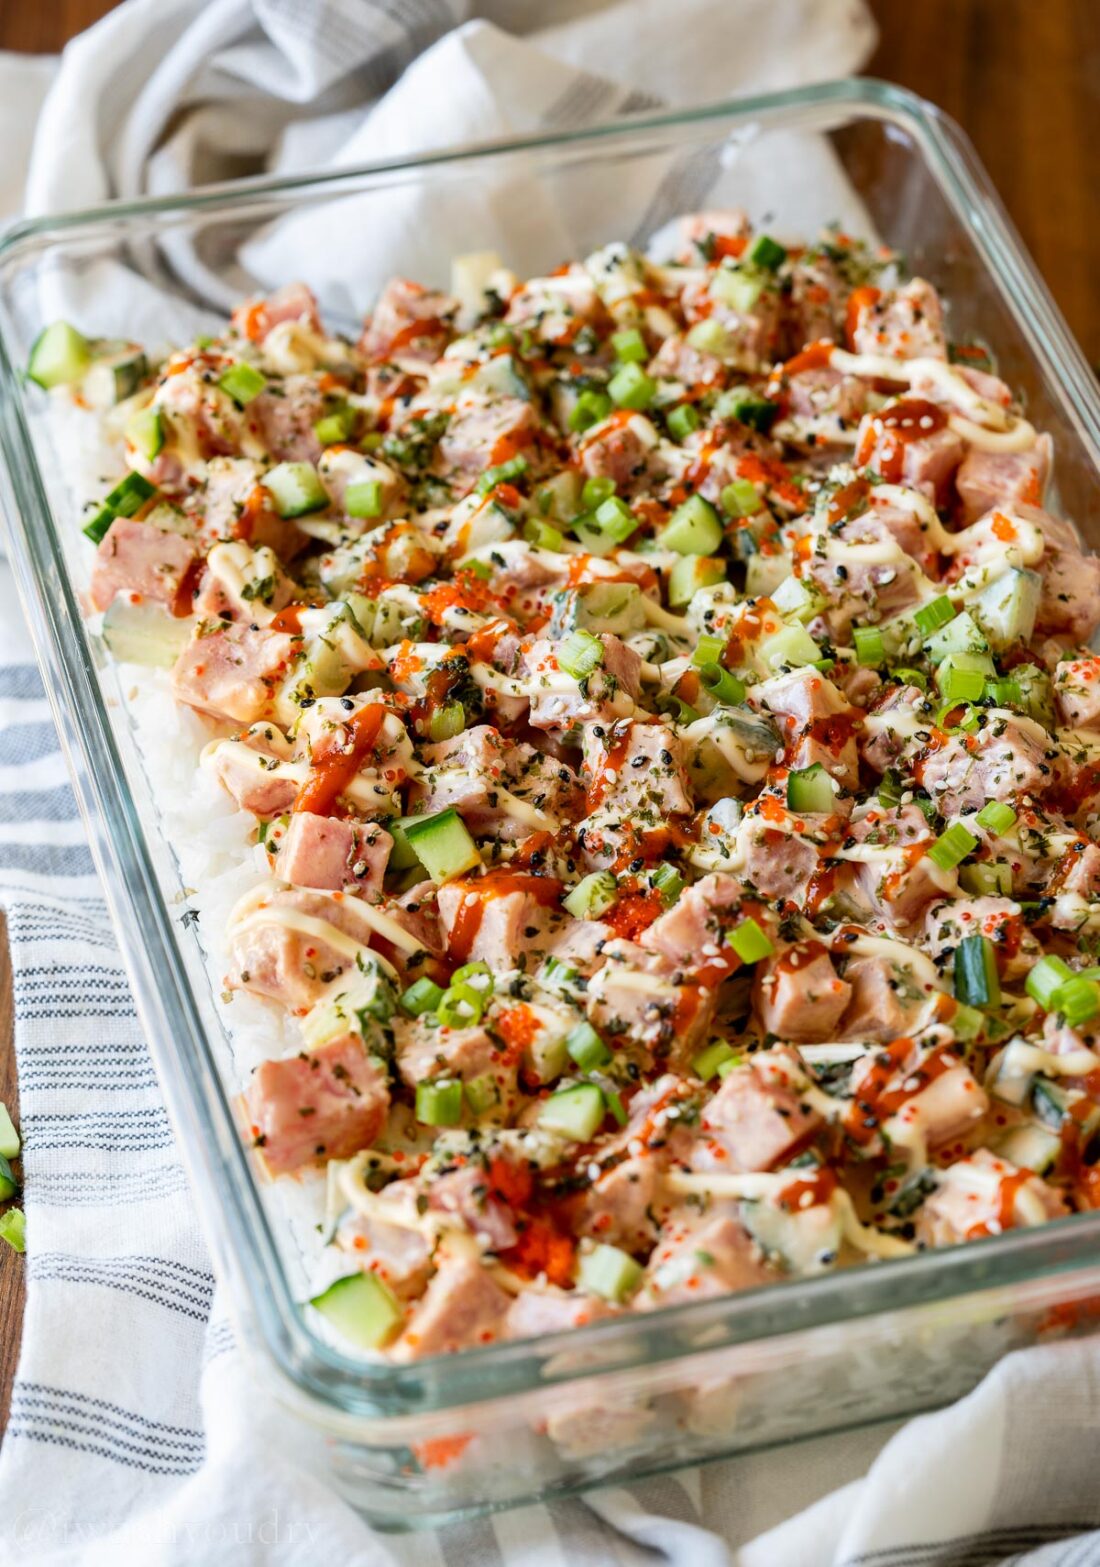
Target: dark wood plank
1021, 80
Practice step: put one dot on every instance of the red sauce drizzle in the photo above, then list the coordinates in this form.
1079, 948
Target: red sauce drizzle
330, 775
477, 894
615, 756
891, 430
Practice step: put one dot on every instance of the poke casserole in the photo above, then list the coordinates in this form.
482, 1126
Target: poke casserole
640, 725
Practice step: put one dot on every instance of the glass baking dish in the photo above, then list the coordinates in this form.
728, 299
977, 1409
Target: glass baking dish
413, 1445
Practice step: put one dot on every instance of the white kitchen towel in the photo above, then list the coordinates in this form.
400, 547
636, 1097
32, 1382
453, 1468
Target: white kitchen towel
135, 1431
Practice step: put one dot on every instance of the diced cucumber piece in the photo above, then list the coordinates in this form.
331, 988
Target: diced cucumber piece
13, 1229
960, 635
296, 489
8, 1184
693, 529
987, 879
616, 607
810, 789
483, 1094
145, 633
610, 1273
1006, 610
145, 432
559, 498
737, 288
129, 495
792, 646
1036, 694
442, 844
242, 382
1014, 1075
362, 1309
60, 356
796, 599
692, 572
1030, 1148
112, 378
1049, 1101
578, 1112
9, 1137
764, 573
402, 855
592, 896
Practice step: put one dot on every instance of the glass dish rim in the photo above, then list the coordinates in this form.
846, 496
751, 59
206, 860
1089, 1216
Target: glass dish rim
223, 1178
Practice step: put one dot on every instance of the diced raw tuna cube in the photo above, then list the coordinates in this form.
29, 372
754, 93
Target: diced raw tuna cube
697, 231
240, 765
467, 1194
928, 462
936, 1106
692, 934
324, 851
1005, 479
624, 1206
408, 322
677, 360
235, 505
479, 773
242, 583
462, 1307
696, 1258
799, 995
536, 1313
774, 860
233, 672
1077, 690
638, 999
1083, 875
970, 1201
272, 958
636, 780
426, 1050
400, 1256
886, 1002
417, 911
134, 557
292, 302
903, 323
622, 448
1070, 601
817, 723
835, 401
814, 308
554, 308
325, 1104
756, 1118
559, 701
507, 925
484, 434
285, 420
898, 884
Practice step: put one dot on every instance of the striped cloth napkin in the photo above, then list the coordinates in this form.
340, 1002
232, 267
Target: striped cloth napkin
136, 1432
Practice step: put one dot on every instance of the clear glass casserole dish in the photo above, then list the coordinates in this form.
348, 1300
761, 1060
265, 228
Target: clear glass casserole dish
413, 1445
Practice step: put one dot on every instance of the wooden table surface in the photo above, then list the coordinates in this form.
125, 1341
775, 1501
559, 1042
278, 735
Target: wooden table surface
1023, 79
